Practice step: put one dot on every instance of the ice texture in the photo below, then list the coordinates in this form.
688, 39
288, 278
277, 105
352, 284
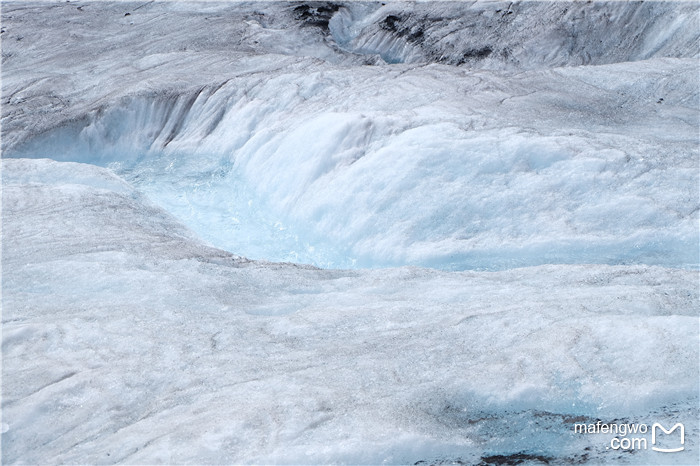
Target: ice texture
311, 233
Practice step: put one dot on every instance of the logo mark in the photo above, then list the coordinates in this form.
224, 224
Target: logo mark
667, 432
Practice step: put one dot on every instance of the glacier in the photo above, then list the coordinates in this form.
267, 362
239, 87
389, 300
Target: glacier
360, 232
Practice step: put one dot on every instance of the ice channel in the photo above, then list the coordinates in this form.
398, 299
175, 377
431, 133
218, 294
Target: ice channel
303, 152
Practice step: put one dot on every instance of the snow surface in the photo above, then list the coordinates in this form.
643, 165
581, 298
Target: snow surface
530, 169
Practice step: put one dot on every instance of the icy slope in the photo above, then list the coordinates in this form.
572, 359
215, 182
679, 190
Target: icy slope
154, 348
271, 154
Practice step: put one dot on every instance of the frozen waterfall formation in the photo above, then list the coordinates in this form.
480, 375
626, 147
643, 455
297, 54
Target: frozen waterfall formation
174, 173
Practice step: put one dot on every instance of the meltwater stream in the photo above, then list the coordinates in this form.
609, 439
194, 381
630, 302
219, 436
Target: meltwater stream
271, 172
223, 211
472, 152
487, 171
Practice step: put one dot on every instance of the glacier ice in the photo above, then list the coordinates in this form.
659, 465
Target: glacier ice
296, 167
502, 197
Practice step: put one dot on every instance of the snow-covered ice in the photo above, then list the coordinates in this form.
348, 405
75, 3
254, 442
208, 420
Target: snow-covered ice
173, 177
